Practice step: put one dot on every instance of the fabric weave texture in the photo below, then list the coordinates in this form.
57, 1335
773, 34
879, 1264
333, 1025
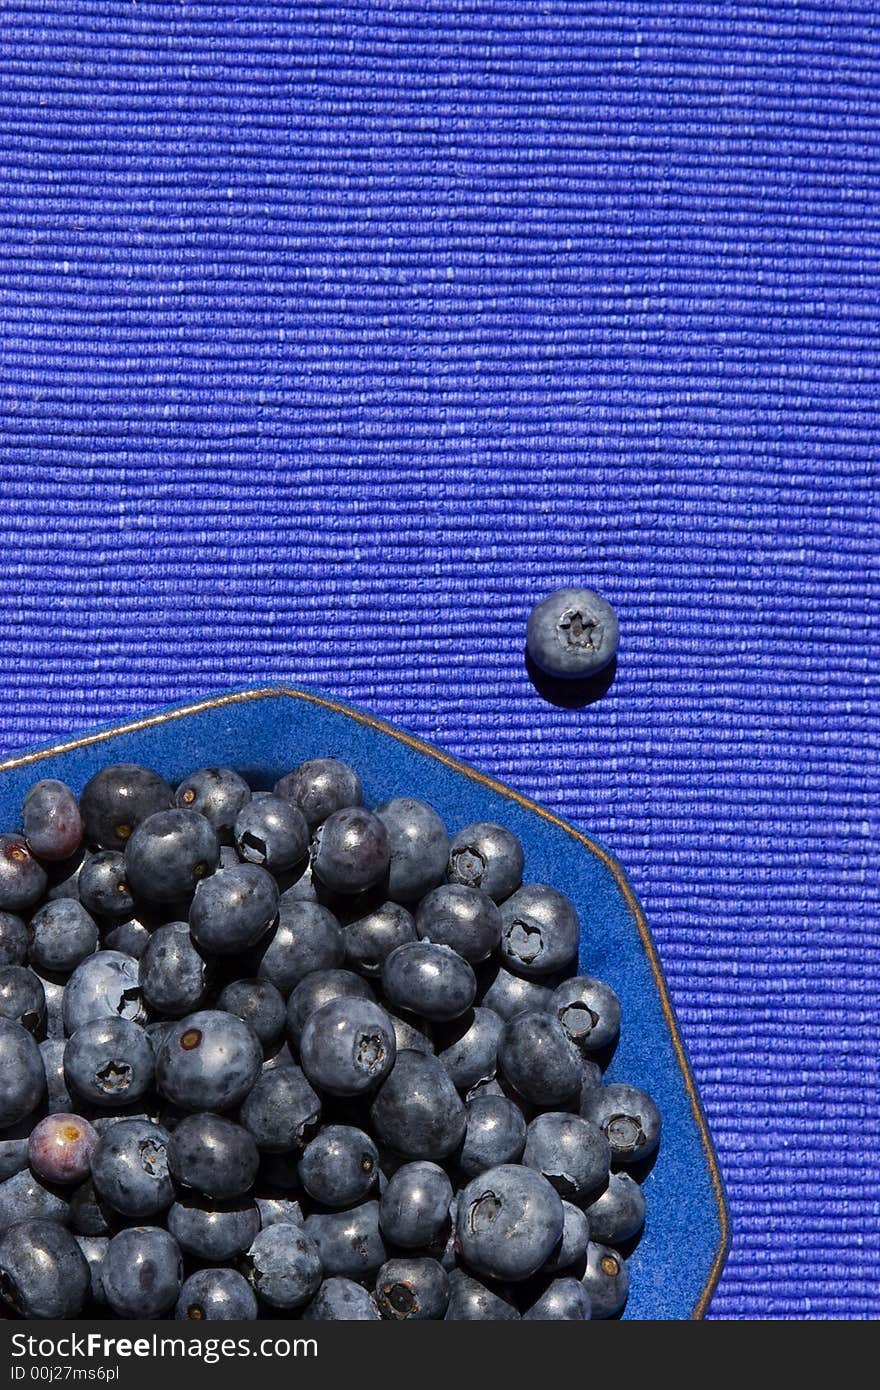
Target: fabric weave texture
336, 334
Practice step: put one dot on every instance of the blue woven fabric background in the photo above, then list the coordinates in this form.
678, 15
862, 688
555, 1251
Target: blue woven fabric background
335, 334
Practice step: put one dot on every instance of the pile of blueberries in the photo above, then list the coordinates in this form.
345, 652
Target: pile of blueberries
274, 1054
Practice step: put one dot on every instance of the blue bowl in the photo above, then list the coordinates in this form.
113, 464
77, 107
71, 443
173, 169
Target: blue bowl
266, 732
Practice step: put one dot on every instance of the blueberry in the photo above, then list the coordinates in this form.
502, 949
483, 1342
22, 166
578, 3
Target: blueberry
471, 1301
419, 847
606, 1280
572, 1248
417, 1111
233, 908
486, 856
340, 1166
259, 1003
509, 1221
349, 1242
61, 935
117, 799
103, 886
22, 997
173, 973
216, 1295
414, 1208
464, 918
103, 985
319, 787
13, 1157
208, 1060
591, 1077
21, 1067
94, 1248
370, 939
508, 994
352, 851
410, 1033
281, 1111
347, 1046
539, 931
54, 991
411, 1289
109, 1062
130, 1169
495, 1135
572, 634
213, 1156
142, 1272
589, 1011
14, 939
23, 879
317, 989
564, 1300
572, 1154
430, 980
468, 1047
51, 822
131, 937
341, 1300
308, 937
23, 1198
58, 1095
284, 1266
90, 1214
627, 1117
537, 1059
617, 1215
43, 1272
218, 794
213, 1231
60, 1148
278, 1210
270, 831
169, 853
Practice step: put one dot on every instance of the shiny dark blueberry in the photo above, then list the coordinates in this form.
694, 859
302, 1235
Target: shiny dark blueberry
411, 1288
131, 937
433, 981
468, 1047
419, 847
218, 794
495, 1134
589, 1011
233, 908
370, 939
142, 1272
62, 933
260, 1004
318, 988
352, 851
349, 1242
340, 1166
209, 1059
572, 634
43, 1272
211, 1230
212, 1155
103, 985
14, 939
307, 937
272, 832
417, 1111
564, 1300
341, 1300
281, 1111
94, 1248
319, 787
130, 1169
169, 854
51, 821
606, 1280
109, 1062
617, 1215
572, 1154
23, 879
216, 1295
173, 973
472, 1301
103, 886
284, 1266
509, 1221
461, 917
23, 1197
508, 994
414, 1207
628, 1118
347, 1046
539, 931
22, 998
117, 799
488, 857
538, 1060
572, 1248
21, 1067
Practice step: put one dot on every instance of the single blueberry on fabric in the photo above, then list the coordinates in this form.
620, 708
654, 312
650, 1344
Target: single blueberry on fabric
572, 634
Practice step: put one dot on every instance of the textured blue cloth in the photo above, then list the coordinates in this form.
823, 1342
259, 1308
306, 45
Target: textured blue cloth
337, 333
